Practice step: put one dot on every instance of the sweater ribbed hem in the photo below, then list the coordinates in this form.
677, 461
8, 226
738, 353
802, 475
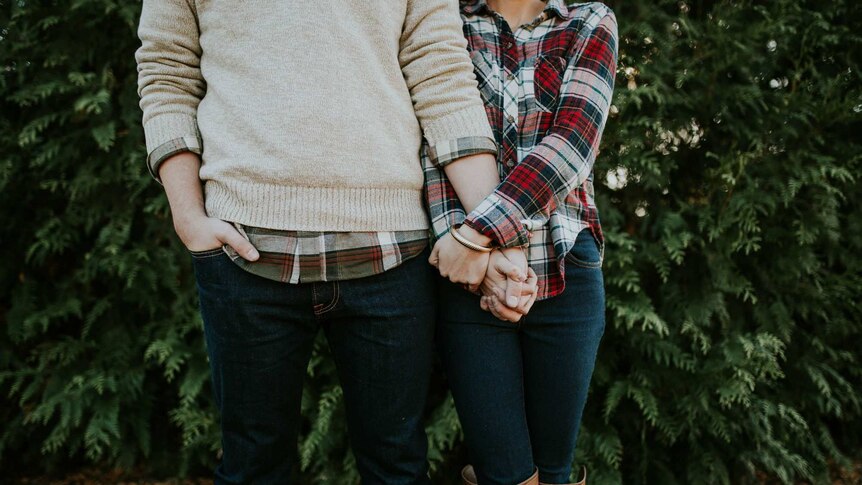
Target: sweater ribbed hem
468, 122
315, 208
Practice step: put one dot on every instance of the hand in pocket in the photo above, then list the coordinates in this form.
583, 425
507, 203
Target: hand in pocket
202, 233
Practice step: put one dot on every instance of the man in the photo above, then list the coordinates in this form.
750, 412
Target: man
286, 136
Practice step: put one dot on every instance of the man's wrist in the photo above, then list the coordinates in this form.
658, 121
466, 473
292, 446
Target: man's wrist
185, 218
169, 149
182, 185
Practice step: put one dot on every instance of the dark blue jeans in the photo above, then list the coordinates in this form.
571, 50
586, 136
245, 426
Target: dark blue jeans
259, 337
520, 389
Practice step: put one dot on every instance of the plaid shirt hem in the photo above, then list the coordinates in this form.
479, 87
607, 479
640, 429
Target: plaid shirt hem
307, 256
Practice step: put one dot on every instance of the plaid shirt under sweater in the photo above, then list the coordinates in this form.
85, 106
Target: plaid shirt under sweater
547, 89
306, 257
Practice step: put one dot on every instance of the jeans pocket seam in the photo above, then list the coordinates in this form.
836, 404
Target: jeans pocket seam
208, 253
334, 302
580, 263
584, 264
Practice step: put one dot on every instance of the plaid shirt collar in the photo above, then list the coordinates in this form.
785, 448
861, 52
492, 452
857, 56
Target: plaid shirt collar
556, 7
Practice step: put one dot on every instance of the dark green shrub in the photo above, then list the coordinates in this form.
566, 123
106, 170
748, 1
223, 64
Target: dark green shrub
734, 265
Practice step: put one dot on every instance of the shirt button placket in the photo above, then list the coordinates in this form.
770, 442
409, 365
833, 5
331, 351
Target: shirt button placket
510, 62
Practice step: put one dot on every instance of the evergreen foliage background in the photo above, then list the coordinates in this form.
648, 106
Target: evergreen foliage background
729, 193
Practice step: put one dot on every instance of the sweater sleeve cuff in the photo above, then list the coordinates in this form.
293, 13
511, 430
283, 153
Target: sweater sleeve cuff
447, 151
500, 220
168, 149
471, 122
168, 134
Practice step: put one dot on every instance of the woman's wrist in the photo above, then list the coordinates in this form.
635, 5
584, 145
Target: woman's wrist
473, 235
472, 239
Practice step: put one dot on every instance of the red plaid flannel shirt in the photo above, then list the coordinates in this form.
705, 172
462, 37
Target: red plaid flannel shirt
547, 89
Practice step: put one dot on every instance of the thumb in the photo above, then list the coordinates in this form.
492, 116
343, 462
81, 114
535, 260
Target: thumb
514, 281
508, 269
434, 259
513, 293
234, 239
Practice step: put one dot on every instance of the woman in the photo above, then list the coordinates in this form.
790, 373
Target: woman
546, 73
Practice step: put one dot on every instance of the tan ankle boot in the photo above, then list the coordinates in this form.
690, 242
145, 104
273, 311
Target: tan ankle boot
582, 481
469, 477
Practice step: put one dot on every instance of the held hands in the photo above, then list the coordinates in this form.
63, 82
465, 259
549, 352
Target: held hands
509, 287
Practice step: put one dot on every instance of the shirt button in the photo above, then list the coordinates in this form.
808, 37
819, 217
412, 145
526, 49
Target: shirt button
509, 45
510, 119
510, 164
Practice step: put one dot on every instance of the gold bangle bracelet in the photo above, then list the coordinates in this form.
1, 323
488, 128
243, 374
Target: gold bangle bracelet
468, 243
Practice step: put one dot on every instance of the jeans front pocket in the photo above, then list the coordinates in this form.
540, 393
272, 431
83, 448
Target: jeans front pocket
586, 252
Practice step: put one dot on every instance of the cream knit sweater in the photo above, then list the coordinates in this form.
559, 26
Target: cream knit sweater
309, 115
